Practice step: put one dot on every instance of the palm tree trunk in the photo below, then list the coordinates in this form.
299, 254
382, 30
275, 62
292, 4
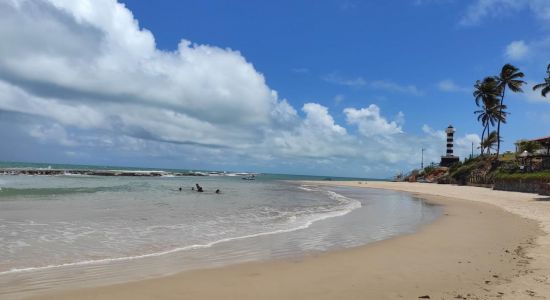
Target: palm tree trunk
488, 133
499, 117
482, 137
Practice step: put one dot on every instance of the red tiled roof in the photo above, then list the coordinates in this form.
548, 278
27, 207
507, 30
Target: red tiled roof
542, 139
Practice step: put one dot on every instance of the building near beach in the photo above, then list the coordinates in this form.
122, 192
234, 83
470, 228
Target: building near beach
537, 160
449, 158
544, 142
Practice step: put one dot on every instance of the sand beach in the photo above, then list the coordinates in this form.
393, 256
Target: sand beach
487, 245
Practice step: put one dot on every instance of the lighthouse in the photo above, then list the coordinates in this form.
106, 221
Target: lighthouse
449, 158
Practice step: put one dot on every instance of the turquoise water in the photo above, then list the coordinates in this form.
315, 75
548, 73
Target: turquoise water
59, 230
265, 176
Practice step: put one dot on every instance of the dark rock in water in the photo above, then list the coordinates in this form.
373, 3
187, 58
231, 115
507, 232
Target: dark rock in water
424, 297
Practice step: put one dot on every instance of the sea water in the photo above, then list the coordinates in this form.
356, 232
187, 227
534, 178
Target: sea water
65, 230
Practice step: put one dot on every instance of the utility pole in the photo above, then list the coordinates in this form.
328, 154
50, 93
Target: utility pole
422, 163
472, 150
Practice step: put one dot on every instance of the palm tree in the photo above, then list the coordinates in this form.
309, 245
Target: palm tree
487, 93
490, 142
544, 86
489, 115
508, 77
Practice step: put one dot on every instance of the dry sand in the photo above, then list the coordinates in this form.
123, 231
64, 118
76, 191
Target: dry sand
489, 247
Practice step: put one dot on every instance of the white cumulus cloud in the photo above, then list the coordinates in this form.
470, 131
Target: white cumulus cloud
91, 62
370, 122
449, 85
516, 50
84, 77
481, 10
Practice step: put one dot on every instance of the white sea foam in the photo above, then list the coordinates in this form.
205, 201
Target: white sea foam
304, 221
304, 188
67, 174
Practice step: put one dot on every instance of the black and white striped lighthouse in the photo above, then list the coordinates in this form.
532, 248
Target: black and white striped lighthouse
449, 158
450, 135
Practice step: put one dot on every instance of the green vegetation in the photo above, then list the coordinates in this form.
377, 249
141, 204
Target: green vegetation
503, 175
508, 156
490, 92
428, 170
490, 142
509, 77
491, 170
486, 93
529, 146
545, 86
460, 172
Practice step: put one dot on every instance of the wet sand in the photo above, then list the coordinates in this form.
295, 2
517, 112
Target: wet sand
487, 245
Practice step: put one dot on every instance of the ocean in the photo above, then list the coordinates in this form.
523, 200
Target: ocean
85, 230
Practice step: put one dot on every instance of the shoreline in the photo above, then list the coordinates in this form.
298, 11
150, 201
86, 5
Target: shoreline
458, 254
535, 282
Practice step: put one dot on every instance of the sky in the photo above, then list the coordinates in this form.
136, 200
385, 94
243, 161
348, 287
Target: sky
333, 88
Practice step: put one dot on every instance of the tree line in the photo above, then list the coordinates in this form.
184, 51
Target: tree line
489, 95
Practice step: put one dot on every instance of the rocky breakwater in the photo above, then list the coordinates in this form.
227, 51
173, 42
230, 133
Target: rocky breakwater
83, 172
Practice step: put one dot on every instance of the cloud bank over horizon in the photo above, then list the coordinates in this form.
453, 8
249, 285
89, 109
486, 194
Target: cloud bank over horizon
83, 78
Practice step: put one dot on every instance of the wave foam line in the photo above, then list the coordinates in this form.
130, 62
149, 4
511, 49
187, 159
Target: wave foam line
354, 204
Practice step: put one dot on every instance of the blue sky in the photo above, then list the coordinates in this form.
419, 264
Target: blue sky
351, 88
